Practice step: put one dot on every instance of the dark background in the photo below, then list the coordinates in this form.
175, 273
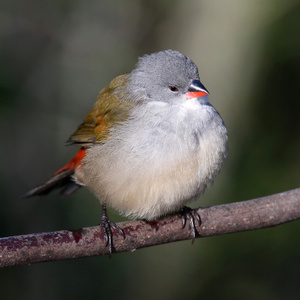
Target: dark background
55, 56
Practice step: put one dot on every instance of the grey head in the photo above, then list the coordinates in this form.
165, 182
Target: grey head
163, 76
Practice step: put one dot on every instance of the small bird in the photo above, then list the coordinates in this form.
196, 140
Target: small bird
151, 144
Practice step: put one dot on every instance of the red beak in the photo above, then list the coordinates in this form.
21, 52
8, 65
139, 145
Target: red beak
196, 90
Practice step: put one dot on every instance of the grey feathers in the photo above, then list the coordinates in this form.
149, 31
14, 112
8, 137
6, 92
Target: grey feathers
155, 73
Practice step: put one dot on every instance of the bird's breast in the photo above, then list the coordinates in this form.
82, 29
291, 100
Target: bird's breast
157, 160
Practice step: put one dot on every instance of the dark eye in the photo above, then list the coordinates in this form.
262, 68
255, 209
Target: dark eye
173, 88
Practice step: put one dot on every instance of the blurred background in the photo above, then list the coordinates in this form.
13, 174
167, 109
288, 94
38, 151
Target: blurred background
55, 56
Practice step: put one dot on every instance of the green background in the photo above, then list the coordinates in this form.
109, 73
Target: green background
55, 56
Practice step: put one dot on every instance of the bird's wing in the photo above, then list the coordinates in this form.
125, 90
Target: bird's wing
111, 108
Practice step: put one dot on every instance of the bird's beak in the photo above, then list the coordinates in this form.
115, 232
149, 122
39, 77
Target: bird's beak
196, 90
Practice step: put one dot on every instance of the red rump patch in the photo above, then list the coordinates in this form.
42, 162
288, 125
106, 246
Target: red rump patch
74, 163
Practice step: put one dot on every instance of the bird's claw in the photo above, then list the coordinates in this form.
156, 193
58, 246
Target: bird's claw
193, 216
107, 227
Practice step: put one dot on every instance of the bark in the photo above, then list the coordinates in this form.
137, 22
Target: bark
216, 220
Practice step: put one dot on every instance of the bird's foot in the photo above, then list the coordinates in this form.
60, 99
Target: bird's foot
107, 225
189, 214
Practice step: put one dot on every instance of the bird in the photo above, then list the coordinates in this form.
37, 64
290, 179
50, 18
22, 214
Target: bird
151, 144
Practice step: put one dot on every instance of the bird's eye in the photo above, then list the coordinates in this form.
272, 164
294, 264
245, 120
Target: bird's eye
173, 88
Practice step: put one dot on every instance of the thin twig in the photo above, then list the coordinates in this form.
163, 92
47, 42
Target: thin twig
216, 220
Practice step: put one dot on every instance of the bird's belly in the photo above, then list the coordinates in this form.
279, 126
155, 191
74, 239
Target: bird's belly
149, 175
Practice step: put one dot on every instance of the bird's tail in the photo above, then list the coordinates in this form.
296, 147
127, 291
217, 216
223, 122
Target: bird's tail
63, 179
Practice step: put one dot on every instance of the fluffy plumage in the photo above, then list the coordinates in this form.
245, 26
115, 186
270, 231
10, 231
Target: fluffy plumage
166, 152
151, 144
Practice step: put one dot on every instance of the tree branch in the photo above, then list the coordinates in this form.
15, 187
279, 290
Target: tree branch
216, 220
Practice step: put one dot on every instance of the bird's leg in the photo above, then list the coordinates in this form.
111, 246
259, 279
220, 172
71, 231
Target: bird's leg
193, 216
106, 225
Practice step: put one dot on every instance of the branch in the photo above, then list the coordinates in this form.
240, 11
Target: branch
216, 220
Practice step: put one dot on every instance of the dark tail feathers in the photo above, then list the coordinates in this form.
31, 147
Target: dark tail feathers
61, 180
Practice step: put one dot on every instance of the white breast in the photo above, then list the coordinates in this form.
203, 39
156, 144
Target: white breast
158, 160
